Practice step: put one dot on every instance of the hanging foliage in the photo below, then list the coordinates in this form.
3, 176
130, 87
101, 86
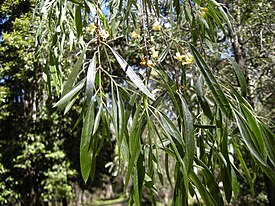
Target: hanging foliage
142, 73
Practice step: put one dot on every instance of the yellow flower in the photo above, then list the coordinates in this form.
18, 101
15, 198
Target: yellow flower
155, 54
91, 28
179, 57
188, 59
134, 35
156, 26
202, 12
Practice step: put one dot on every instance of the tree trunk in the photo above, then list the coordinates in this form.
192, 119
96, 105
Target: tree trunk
64, 201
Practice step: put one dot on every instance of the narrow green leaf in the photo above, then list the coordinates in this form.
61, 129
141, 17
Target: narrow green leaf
222, 14
188, 134
242, 125
171, 130
202, 100
269, 172
239, 97
205, 107
136, 192
214, 13
114, 112
73, 76
134, 144
199, 86
85, 150
212, 83
104, 20
244, 166
172, 133
239, 74
269, 138
141, 174
235, 184
202, 189
164, 53
91, 74
97, 119
256, 135
81, 115
226, 166
69, 105
93, 168
78, 21
176, 4
76, 2
131, 74
128, 8
134, 155
170, 87
121, 119
167, 169
70, 94
212, 185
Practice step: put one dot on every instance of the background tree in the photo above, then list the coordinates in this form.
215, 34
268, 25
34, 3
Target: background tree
34, 167
252, 47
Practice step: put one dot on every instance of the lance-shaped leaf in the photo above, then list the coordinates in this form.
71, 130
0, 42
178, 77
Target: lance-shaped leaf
131, 74
85, 149
97, 119
78, 21
75, 71
269, 141
244, 166
207, 198
239, 74
69, 105
202, 100
248, 138
256, 134
164, 53
71, 94
222, 14
211, 81
211, 183
72, 77
188, 134
91, 74
173, 134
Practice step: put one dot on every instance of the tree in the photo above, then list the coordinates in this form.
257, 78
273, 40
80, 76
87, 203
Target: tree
252, 47
202, 128
34, 167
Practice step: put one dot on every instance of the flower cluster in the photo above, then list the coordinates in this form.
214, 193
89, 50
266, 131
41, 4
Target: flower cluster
188, 58
91, 28
134, 35
202, 12
156, 26
154, 53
